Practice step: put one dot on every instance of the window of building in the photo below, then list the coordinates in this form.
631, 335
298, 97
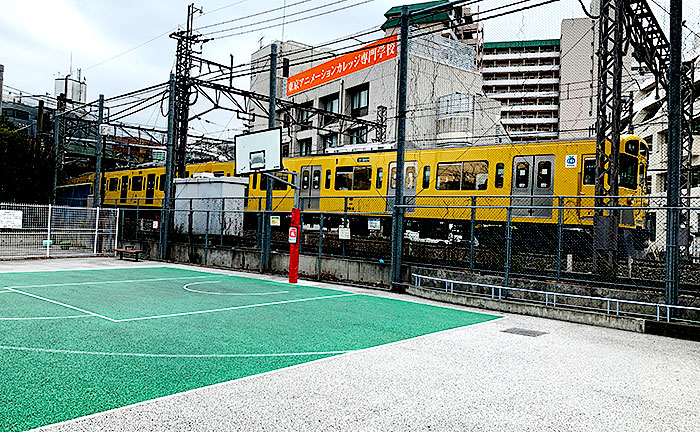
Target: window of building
330, 141
456, 105
304, 116
500, 172
113, 184
380, 178
358, 136
137, 184
305, 147
330, 103
426, 177
285, 150
359, 100
353, 178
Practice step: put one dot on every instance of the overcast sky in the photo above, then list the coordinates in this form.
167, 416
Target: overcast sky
39, 37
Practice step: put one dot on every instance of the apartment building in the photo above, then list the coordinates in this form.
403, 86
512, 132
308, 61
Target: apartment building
524, 77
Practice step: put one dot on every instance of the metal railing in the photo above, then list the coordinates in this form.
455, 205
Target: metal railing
613, 306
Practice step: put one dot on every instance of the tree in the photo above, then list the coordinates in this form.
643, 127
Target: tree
26, 169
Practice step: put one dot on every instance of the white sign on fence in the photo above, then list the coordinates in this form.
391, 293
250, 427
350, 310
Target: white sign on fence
344, 233
11, 219
374, 224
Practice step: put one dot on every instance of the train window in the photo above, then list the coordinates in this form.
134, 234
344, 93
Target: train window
426, 177
475, 175
380, 177
522, 175
589, 171
632, 147
353, 178
137, 184
410, 180
642, 174
500, 171
362, 178
328, 179
113, 184
263, 182
628, 171
343, 178
316, 180
393, 177
305, 180
278, 185
218, 173
449, 176
544, 174
161, 185
255, 180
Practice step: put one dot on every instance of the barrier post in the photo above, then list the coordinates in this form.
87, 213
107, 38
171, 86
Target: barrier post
320, 246
48, 234
471, 235
294, 234
560, 236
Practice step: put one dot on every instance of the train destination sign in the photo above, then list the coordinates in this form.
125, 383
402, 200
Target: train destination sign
370, 55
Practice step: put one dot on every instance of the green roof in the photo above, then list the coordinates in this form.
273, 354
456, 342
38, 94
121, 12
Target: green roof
522, 44
393, 15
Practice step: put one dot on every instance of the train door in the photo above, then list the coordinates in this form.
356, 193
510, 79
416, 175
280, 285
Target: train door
311, 187
586, 187
409, 186
533, 186
150, 188
124, 189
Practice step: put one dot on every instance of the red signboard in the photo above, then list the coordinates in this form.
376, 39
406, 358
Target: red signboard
374, 53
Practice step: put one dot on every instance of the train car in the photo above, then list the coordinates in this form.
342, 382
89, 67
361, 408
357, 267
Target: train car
533, 178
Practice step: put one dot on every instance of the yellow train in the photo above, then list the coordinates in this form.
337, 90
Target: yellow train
440, 182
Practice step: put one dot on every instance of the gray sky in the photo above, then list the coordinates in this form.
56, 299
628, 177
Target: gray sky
38, 37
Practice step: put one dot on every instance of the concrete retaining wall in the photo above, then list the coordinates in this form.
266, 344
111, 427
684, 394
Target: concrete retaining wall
591, 318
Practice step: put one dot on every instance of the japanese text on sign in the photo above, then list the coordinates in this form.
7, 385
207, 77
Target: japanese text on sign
374, 53
11, 219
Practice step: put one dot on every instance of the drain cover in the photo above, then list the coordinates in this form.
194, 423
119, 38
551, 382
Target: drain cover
524, 332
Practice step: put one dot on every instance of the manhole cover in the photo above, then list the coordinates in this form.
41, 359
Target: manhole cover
524, 332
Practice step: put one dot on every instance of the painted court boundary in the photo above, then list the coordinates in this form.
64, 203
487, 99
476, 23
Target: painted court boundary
261, 375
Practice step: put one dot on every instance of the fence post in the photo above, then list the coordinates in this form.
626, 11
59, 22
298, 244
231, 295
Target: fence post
48, 234
138, 201
97, 230
560, 236
320, 246
258, 237
345, 221
508, 241
121, 232
206, 238
471, 235
116, 227
221, 222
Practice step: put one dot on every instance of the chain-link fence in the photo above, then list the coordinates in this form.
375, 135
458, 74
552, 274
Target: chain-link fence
535, 237
28, 230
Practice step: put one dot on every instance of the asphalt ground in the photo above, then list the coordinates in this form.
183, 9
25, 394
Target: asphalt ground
476, 377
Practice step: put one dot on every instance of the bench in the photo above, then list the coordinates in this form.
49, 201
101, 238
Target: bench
133, 252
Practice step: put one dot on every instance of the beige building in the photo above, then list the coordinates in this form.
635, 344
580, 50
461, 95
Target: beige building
446, 104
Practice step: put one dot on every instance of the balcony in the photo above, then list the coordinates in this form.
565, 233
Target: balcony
504, 69
522, 55
515, 108
520, 81
523, 94
530, 121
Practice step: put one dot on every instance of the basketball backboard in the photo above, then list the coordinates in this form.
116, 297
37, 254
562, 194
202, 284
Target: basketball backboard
258, 151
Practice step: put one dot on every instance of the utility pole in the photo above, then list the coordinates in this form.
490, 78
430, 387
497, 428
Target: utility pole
397, 220
166, 213
183, 67
2, 77
267, 229
675, 118
57, 140
99, 149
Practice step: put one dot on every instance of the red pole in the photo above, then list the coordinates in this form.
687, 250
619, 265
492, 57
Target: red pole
294, 233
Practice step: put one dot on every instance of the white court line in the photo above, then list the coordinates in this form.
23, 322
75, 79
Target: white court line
123, 354
60, 304
233, 308
106, 282
226, 294
43, 318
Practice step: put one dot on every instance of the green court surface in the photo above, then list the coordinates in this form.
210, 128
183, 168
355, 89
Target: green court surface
74, 343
